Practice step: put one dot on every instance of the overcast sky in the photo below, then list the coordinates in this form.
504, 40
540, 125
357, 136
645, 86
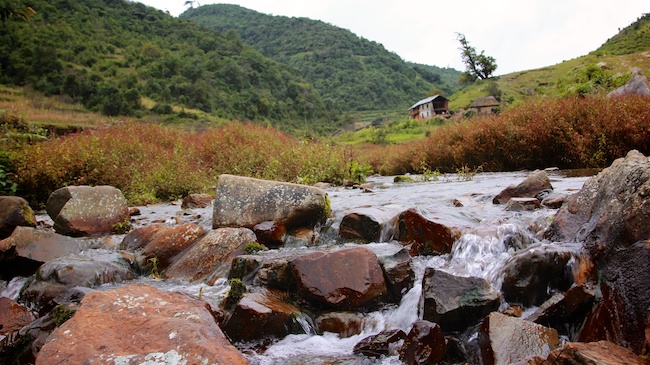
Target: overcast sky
519, 34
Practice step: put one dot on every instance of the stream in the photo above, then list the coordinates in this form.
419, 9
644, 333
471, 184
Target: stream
481, 251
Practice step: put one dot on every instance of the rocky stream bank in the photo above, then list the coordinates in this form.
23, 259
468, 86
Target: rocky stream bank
549, 270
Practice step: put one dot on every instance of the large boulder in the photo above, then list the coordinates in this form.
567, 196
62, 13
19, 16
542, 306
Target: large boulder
424, 344
578, 353
637, 85
210, 258
622, 315
531, 276
85, 210
27, 248
14, 211
88, 268
610, 211
426, 237
456, 302
262, 315
245, 202
139, 324
506, 340
162, 242
532, 185
341, 279
368, 225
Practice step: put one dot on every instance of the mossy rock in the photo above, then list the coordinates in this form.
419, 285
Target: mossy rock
403, 179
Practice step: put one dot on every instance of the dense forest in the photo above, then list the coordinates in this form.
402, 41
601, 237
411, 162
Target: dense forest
110, 55
350, 73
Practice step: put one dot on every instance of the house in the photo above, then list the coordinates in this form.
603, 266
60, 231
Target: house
429, 108
486, 105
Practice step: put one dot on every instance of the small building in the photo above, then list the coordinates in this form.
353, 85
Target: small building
429, 108
486, 105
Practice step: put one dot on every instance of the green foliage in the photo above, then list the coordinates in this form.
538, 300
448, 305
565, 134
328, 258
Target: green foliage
253, 247
236, 292
631, 39
403, 179
465, 173
478, 66
7, 184
152, 267
590, 79
108, 55
351, 73
61, 314
359, 171
122, 227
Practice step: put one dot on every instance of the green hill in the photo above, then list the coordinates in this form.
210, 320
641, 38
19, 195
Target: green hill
349, 72
124, 58
600, 71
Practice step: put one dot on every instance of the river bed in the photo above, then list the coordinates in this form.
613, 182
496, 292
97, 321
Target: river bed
480, 251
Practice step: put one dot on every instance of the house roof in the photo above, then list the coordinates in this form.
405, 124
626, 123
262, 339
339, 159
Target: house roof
427, 100
484, 102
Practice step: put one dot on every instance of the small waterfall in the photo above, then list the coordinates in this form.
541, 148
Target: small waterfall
12, 291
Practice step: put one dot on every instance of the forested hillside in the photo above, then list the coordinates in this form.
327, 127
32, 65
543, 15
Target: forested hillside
349, 72
111, 55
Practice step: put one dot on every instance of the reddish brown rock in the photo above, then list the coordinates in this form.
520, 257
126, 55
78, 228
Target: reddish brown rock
13, 316
536, 182
270, 233
136, 324
14, 212
245, 202
85, 210
345, 324
262, 315
342, 279
555, 200
162, 242
426, 237
425, 344
455, 302
194, 201
368, 225
506, 340
211, 257
522, 204
27, 248
593, 353
382, 344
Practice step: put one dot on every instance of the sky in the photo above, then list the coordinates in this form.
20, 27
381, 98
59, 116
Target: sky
519, 34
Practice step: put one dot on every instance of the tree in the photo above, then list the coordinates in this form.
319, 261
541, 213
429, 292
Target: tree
479, 66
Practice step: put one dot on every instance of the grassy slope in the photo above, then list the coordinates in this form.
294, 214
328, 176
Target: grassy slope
628, 49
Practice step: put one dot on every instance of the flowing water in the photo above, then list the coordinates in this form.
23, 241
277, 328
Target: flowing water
482, 251
489, 235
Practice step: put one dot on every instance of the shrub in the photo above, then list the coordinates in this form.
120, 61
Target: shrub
253, 247
571, 132
152, 163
